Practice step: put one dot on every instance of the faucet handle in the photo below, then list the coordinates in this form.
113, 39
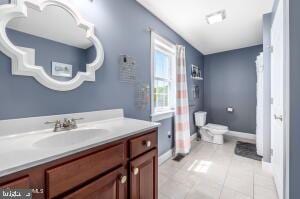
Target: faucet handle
74, 123
54, 122
77, 119
57, 125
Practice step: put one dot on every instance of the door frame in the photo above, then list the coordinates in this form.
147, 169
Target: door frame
286, 98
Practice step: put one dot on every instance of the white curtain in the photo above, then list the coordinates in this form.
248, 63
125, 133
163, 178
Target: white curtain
182, 122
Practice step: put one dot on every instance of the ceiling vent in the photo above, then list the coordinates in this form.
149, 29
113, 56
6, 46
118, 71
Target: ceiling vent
216, 17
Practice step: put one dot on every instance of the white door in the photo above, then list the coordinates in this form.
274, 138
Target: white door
277, 72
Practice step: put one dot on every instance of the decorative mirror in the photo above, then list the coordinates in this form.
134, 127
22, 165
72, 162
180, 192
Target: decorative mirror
50, 41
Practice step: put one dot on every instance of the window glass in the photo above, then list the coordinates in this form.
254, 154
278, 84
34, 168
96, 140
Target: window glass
162, 65
161, 94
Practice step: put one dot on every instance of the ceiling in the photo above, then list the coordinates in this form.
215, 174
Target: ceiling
53, 23
242, 27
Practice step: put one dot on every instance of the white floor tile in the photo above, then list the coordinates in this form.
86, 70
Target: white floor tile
174, 190
205, 191
161, 196
214, 172
264, 181
232, 194
264, 193
162, 179
167, 170
240, 185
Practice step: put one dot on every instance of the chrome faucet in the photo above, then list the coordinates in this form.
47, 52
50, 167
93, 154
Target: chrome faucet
66, 125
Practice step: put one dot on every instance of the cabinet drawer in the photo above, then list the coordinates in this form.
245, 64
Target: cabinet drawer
142, 144
110, 186
22, 183
74, 173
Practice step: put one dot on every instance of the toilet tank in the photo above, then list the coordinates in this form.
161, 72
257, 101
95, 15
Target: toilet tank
200, 118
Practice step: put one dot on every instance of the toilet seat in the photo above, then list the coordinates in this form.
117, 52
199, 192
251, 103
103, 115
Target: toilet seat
213, 133
216, 129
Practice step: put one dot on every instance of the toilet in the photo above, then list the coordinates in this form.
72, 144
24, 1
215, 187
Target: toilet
212, 133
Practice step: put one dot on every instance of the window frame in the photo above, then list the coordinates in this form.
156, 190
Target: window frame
159, 43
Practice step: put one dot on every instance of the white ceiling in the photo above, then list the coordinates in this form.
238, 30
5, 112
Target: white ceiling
241, 28
53, 23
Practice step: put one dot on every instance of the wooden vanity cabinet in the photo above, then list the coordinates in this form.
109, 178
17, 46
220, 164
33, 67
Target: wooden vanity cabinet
143, 176
111, 186
22, 183
123, 169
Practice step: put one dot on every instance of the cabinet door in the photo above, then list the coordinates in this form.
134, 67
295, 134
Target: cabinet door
111, 186
143, 173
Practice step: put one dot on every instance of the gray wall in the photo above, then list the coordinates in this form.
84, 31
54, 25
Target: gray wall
267, 23
121, 26
4, 1
230, 81
294, 99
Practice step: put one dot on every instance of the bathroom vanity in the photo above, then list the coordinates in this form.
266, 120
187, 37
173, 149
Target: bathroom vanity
105, 156
112, 164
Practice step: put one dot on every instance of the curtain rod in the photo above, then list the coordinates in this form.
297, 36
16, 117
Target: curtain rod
149, 29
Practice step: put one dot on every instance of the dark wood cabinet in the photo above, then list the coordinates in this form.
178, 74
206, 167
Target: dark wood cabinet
142, 144
111, 186
22, 183
74, 173
143, 176
125, 168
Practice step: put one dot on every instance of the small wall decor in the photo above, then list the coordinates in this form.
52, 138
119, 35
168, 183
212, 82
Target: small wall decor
196, 73
196, 92
142, 95
61, 69
127, 69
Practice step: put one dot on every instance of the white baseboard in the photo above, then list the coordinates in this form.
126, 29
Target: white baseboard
194, 136
242, 135
164, 157
267, 167
167, 155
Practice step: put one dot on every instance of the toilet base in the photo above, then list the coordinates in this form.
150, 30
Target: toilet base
215, 139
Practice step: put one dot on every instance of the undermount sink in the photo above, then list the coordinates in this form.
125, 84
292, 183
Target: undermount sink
64, 139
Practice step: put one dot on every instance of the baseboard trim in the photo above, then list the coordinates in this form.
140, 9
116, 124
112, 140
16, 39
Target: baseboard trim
267, 167
167, 155
242, 135
164, 157
194, 136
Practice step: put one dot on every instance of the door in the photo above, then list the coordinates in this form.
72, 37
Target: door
143, 176
277, 82
111, 186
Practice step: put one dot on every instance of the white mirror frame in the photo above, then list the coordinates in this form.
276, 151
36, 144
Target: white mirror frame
20, 60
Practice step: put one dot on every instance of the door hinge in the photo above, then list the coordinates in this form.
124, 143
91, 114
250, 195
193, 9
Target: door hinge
271, 48
271, 152
272, 100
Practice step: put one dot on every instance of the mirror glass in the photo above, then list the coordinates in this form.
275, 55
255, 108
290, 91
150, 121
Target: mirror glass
52, 40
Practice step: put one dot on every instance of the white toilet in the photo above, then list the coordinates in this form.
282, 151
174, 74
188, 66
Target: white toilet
210, 132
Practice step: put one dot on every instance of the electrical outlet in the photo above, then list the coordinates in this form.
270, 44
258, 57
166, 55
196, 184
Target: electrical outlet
230, 109
169, 134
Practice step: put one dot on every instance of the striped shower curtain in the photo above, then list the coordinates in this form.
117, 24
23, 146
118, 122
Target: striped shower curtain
182, 122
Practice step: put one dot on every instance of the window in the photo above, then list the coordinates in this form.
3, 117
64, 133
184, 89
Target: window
163, 55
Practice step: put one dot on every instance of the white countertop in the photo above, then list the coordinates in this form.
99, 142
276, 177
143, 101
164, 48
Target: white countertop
19, 151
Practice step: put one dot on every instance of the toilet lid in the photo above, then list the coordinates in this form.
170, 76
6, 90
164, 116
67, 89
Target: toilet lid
216, 126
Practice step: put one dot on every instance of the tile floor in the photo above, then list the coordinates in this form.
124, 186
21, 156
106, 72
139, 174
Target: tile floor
214, 172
